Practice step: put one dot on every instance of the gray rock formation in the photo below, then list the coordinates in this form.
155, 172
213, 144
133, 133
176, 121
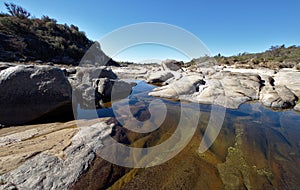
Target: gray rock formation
131, 71
159, 76
94, 86
185, 86
297, 107
111, 90
224, 89
48, 171
172, 65
290, 79
278, 97
29, 92
87, 74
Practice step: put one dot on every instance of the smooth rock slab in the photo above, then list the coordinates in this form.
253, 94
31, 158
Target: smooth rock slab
224, 89
185, 85
48, 171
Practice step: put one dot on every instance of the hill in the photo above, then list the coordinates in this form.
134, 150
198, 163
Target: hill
28, 39
275, 58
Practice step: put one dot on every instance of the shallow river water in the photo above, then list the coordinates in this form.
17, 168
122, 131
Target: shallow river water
256, 148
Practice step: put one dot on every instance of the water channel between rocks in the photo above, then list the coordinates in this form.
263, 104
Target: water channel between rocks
256, 144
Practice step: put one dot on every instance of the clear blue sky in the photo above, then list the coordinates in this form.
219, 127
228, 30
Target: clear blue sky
227, 27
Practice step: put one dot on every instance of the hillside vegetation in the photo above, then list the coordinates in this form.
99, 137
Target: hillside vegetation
276, 57
28, 39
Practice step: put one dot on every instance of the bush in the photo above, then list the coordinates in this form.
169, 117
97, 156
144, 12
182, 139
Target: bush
50, 25
17, 11
40, 39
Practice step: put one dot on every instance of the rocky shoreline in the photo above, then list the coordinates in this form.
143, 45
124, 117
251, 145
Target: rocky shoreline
31, 155
31, 91
222, 85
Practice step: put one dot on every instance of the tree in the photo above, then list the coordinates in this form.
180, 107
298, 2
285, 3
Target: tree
17, 11
275, 50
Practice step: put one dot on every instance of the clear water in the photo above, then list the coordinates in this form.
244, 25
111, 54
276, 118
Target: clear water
265, 144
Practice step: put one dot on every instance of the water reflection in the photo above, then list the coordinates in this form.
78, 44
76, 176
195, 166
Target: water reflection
257, 147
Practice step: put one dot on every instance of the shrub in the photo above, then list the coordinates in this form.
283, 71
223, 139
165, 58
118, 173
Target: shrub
17, 11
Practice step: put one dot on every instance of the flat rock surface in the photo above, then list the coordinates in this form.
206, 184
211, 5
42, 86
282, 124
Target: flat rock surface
49, 156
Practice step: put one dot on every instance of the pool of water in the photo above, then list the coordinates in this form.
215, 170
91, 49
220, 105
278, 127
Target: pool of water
256, 146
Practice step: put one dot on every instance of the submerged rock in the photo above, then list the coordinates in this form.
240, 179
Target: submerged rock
29, 92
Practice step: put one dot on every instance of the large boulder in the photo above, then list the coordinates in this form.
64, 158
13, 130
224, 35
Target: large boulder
278, 97
290, 79
111, 90
185, 86
29, 92
96, 85
85, 85
159, 76
87, 74
170, 64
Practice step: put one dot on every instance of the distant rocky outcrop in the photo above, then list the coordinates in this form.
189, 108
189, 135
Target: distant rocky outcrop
171, 64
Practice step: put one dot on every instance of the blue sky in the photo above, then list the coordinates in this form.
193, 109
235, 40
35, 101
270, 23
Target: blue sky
227, 27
